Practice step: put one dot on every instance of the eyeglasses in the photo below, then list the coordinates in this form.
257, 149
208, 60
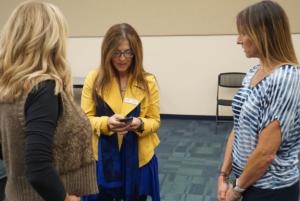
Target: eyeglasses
126, 54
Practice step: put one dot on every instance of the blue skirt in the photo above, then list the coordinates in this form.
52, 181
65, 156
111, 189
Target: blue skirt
148, 182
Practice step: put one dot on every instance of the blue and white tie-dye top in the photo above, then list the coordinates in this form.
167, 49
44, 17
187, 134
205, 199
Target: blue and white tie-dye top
276, 97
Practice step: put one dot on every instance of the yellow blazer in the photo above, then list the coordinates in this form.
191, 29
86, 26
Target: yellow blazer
150, 113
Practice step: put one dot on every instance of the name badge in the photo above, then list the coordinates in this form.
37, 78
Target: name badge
131, 101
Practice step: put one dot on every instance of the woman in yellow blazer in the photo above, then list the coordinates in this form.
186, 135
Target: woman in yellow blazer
121, 101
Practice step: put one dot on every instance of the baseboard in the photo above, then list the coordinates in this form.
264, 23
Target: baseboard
195, 117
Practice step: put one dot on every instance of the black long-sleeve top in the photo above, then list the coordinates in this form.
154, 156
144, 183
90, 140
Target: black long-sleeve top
41, 115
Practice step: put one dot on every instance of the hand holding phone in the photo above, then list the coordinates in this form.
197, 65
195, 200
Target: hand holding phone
126, 120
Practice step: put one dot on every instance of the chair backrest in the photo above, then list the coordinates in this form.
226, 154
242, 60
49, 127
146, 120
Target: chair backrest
77, 95
231, 79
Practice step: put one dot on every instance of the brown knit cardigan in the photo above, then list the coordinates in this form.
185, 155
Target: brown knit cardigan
72, 151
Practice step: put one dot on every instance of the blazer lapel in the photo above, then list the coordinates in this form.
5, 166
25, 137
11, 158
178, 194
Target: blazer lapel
132, 98
113, 97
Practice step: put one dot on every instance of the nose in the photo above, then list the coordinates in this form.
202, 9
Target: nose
122, 57
239, 41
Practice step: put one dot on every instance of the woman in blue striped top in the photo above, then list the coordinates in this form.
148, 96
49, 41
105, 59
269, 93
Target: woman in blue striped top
263, 147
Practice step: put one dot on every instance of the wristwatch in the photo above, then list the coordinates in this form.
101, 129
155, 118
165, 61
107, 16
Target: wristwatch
236, 186
141, 127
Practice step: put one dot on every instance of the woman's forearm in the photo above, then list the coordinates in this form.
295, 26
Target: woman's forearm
258, 162
227, 162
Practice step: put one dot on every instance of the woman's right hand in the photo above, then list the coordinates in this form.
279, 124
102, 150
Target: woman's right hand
72, 198
115, 125
223, 187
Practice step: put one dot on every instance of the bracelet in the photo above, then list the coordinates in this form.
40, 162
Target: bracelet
141, 127
225, 176
223, 173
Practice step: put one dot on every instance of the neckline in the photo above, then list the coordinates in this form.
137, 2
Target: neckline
266, 76
256, 71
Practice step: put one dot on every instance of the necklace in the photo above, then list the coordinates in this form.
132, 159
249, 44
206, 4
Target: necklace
122, 85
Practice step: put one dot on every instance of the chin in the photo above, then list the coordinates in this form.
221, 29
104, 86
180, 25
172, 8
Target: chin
249, 55
122, 70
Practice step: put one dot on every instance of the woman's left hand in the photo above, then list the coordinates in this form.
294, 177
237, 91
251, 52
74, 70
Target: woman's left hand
135, 124
223, 186
232, 195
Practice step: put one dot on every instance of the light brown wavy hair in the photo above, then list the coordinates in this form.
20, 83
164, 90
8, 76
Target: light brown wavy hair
267, 25
112, 39
32, 49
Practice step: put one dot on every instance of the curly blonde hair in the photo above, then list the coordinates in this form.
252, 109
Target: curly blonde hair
32, 49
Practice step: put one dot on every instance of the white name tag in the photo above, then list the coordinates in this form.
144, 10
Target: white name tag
131, 101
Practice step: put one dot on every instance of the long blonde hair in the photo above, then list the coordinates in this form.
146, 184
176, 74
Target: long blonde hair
111, 41
33, 48
267, 24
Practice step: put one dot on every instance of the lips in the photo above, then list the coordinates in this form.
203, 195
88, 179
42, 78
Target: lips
122, 65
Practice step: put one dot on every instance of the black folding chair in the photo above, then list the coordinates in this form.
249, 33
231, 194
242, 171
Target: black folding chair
227, 80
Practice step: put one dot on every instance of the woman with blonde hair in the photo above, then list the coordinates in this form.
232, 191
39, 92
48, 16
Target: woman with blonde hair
263, 147
45, 137
121, 101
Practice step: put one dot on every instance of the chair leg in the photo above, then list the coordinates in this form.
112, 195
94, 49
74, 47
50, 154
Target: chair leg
217, 113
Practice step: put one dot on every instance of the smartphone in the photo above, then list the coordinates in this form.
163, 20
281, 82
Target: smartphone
126, 120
